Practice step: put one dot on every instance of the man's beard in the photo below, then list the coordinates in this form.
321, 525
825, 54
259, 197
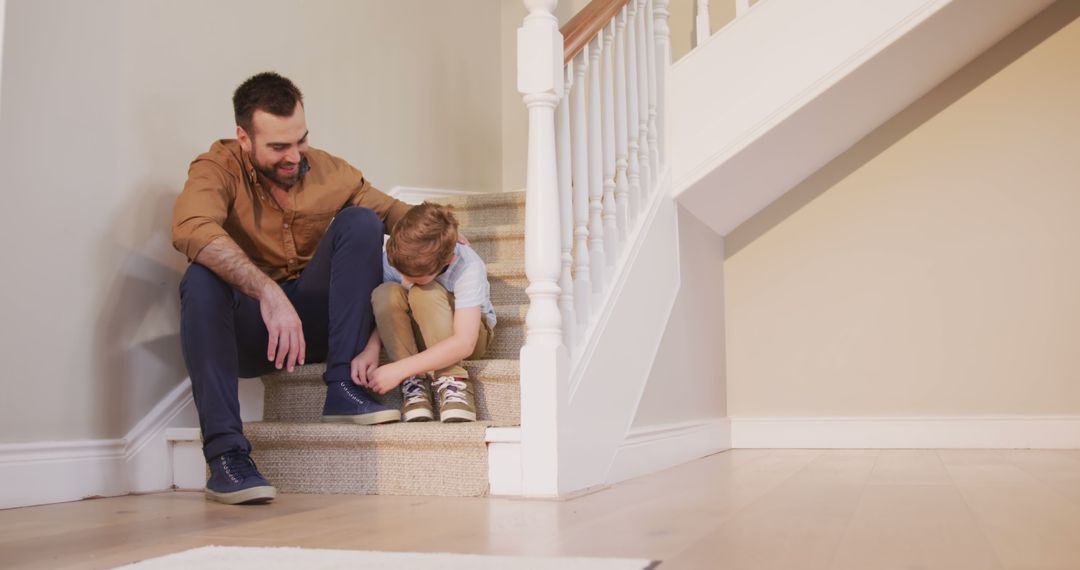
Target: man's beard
271, 172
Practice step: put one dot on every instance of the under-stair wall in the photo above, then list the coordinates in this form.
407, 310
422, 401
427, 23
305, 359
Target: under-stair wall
920, 290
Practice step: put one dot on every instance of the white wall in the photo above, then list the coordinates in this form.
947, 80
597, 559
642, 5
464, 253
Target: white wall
104, 106
933, 269
688, 378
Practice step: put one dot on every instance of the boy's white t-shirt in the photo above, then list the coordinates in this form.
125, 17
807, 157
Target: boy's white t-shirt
466, 278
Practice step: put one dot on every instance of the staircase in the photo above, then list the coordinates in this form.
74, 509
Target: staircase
299, 454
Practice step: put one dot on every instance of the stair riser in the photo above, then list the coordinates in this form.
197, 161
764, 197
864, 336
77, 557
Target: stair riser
381, 470
508, 248
302, 401
509, 290
495, 216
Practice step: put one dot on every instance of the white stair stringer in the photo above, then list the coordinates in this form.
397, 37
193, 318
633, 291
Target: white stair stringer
781, 91
607, 378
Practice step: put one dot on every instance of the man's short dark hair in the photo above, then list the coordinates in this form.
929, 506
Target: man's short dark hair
268, 92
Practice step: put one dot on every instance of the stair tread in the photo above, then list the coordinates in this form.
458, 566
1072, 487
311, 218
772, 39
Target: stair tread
483, 200
348, 435
495, 370
494, 231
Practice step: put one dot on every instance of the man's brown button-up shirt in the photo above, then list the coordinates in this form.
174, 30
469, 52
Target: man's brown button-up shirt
223, 196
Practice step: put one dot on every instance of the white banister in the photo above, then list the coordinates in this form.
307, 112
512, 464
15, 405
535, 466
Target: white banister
702, 24
643, 99
579, 142
663, 60
622, 187
596, 169
543, 357
566, 215
634, 166
611, 228
650, 33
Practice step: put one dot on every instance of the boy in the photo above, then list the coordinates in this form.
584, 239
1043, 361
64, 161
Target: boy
432, 312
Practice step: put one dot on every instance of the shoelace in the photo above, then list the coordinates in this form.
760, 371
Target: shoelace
452, 389
413, 390
238, 466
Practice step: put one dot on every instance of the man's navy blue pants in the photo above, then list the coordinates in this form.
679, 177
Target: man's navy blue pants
224, 337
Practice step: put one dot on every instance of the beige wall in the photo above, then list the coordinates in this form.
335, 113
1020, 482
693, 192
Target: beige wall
933, 269
104, 105
687, 380
683, 18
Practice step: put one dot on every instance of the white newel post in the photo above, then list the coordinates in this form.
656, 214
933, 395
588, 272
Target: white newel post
703, 27
543, 357
663, 61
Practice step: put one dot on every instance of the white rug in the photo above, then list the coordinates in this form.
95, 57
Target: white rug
241, 558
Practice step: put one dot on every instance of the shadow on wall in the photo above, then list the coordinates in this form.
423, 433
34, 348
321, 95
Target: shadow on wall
136, 339
137, 354
895, 129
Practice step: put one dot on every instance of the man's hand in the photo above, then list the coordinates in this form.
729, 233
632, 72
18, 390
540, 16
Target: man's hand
286, 346
385, 378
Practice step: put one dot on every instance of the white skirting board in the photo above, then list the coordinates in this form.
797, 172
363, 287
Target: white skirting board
54, 472
964, 432
415, 195
649, 449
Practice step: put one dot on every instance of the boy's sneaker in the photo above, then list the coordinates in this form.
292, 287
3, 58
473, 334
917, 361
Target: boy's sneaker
234, 480
456, 402
349, 404
417, 401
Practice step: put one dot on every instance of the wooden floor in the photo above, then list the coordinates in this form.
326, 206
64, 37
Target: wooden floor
800, 509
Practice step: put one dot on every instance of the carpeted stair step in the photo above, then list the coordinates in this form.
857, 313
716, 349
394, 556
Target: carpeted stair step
395, 459
508, 283
503, 243
299, 396
496, 208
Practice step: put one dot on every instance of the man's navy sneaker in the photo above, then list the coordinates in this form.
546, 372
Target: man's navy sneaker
348, 403
234, 480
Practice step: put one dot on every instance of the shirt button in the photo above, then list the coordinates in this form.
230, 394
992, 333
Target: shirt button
286, 226
293, 260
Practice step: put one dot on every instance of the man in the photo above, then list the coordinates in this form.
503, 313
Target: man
273, 283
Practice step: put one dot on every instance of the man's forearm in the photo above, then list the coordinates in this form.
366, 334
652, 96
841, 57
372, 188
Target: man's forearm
229, 262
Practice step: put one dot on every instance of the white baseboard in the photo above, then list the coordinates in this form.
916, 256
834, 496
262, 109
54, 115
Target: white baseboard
55, 472
649, 449
416, 195
971, 432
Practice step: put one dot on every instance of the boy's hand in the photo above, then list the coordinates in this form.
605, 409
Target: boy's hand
363, 366
384, 379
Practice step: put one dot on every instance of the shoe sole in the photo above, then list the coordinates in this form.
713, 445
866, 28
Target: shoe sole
250, 496
457, 416
383, 417
420, 415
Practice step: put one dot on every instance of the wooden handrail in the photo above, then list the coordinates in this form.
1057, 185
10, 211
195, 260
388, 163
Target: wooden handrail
586, 24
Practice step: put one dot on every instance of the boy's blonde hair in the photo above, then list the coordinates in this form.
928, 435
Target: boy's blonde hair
423, 240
